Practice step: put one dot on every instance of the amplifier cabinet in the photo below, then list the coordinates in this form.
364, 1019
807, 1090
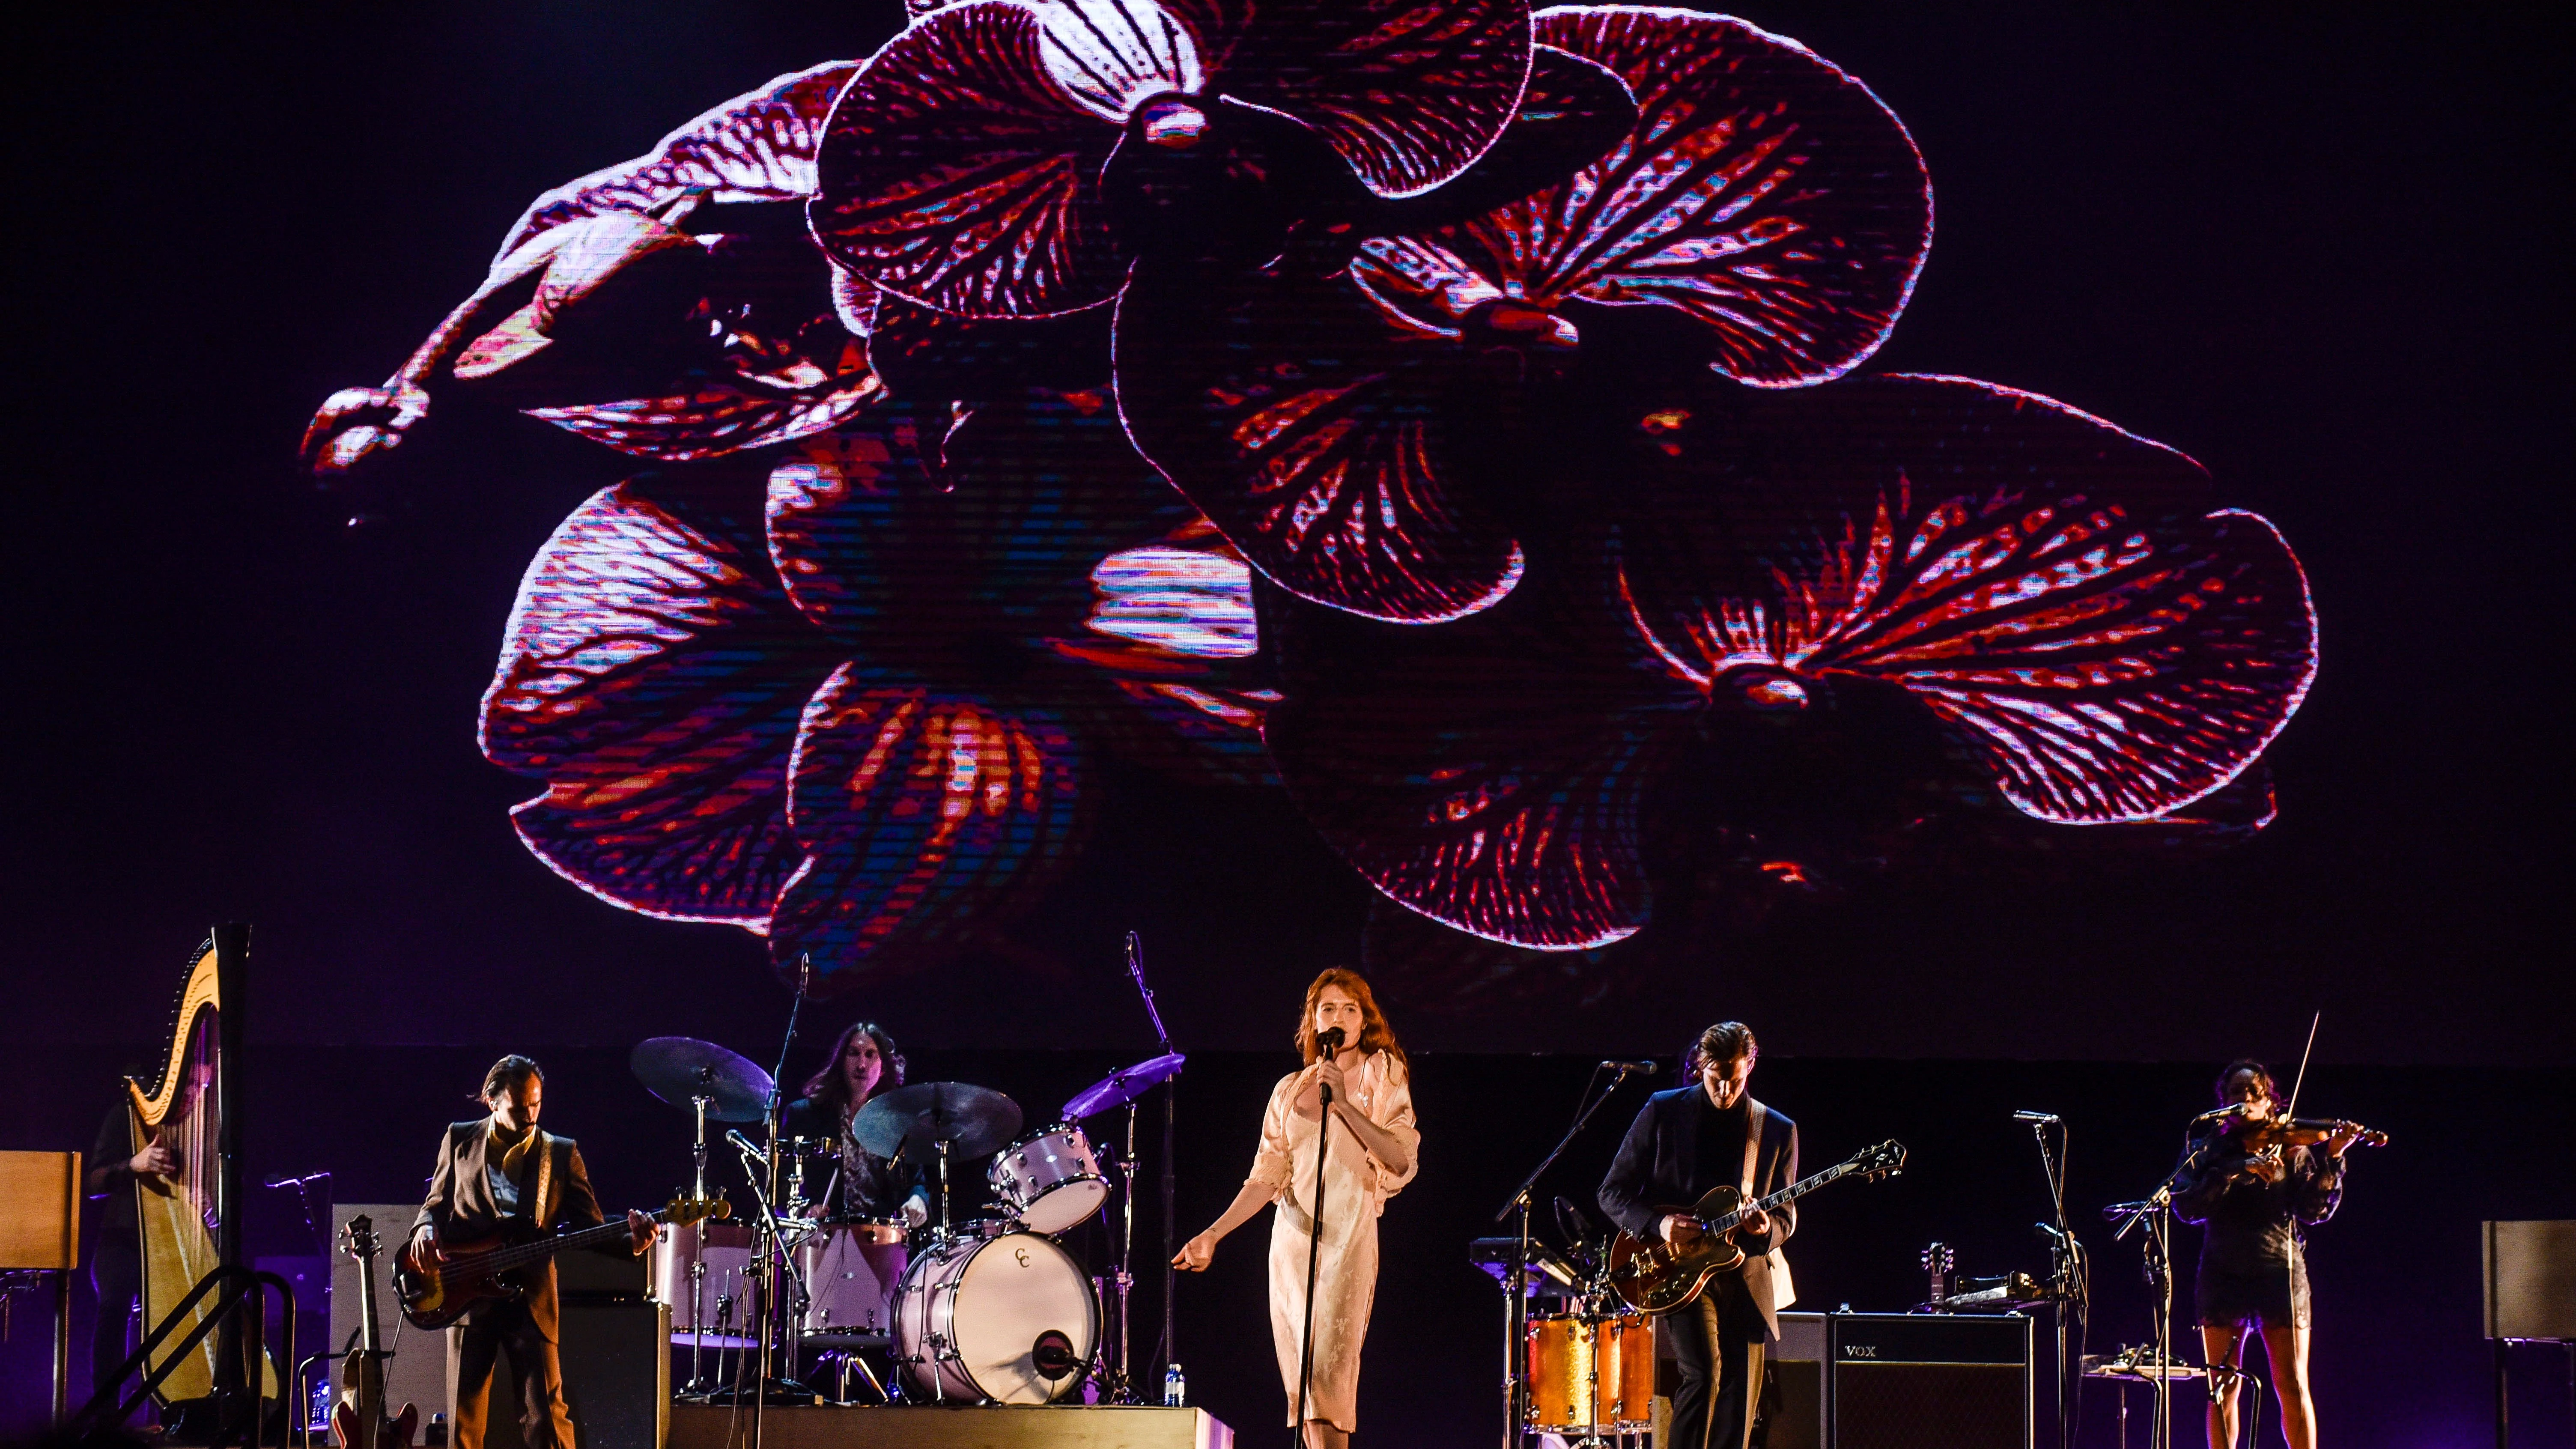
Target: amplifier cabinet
1928, 1381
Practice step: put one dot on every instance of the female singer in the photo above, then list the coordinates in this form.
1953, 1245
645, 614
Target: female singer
2253, 1261
1365, 1164
863, 1062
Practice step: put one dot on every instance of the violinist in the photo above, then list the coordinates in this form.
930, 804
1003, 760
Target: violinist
2253, 1191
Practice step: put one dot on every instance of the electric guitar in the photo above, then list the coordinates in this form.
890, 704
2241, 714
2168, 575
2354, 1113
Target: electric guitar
435, 1295
1660, 1277
358, 1420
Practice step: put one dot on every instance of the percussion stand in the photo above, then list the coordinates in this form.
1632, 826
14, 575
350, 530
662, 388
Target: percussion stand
1516, 1285
1122, 1383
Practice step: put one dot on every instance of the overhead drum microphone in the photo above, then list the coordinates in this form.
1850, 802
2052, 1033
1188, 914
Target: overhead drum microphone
2035, 1116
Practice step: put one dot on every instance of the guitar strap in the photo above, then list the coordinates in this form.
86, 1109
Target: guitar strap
545, 1177
1783, 1292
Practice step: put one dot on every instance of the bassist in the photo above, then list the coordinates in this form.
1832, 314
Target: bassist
490, 1172
1684, 1143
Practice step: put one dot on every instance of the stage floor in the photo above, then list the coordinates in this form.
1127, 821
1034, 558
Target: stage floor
704, 1426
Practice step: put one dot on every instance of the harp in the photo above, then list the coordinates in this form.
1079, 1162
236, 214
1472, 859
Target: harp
191, 1219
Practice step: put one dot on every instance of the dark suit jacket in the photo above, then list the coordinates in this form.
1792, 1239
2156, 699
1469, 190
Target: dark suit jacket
1658, 1171
460, 1201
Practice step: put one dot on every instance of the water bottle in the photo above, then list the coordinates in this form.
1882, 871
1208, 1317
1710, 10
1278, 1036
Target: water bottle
1176, 1389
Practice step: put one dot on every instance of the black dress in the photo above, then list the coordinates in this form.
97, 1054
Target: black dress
2253, 1254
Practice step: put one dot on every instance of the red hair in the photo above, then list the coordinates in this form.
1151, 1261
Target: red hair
1375, 1034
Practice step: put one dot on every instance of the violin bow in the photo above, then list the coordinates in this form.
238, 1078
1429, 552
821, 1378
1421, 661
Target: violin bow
2302, 1079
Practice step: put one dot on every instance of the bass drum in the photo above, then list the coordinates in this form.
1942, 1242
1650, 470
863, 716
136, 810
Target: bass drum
1006, 1320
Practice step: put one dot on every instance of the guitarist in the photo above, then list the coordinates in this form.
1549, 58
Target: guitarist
1684, 1143
489, 1172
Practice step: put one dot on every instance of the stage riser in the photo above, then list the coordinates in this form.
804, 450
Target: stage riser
702, 1426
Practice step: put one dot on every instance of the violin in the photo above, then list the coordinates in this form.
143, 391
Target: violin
2263, 1134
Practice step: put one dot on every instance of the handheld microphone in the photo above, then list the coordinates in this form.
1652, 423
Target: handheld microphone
2034, 1116
1327, 1042
1628, 1066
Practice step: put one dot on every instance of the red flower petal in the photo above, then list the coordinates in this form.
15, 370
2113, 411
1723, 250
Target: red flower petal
1487, 773
1409, 92
918, 806
957, 173
718, 419
1763, 192
1314, 435
2054, 588
755, 147
652, 674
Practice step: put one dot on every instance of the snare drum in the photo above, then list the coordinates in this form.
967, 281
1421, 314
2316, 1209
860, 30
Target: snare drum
850, 1271
1565, 1352
1050, 1179
1008, 1320
725, 1250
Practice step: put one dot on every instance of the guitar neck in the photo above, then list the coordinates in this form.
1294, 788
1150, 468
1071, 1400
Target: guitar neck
504, 1259
1785, 1195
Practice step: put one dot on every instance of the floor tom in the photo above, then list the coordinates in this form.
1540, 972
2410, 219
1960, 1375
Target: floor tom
1587, 1373
724, 1249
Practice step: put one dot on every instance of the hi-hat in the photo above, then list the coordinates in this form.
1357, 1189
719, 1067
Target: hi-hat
912, 1121
679, 1068
1122, 1087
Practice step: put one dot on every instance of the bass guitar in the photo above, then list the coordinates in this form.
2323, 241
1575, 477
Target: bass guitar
1660, 1277
435, 1295
359, 1420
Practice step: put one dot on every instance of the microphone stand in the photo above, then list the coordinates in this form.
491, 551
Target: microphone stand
2156, 1212
1516, 1286
1171, 1111
772, 1251
1331, 1043
2066, 1257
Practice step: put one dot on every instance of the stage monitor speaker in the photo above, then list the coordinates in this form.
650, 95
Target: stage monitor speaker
1928, 1381
615, 1352
2530, 1279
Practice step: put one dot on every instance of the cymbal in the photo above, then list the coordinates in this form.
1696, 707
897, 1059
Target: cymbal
679, 1068
912, 1121
1122, 1086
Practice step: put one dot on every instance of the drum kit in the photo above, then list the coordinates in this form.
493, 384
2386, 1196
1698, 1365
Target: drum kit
994, 1309
1586, 1362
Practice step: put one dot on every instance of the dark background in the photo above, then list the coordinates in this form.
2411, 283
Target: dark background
2323, 252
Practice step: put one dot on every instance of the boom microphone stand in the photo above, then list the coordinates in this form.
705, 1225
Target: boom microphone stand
1328, 1042
1516, 1285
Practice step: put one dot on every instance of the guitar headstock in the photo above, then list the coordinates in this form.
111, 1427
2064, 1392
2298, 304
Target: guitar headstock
1887, 1159
358, 1238
684, 1210
1938, 1258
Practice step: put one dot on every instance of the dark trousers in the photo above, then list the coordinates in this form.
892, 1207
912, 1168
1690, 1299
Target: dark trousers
1717, 1350
508, 1331
116, 1273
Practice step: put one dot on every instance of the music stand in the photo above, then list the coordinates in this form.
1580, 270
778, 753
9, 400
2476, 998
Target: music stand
2529, 1287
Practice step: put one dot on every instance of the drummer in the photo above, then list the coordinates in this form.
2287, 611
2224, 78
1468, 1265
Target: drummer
863, 1063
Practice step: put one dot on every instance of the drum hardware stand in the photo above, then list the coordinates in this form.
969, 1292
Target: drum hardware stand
1516, 1281
697, 1319
1122, 1383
